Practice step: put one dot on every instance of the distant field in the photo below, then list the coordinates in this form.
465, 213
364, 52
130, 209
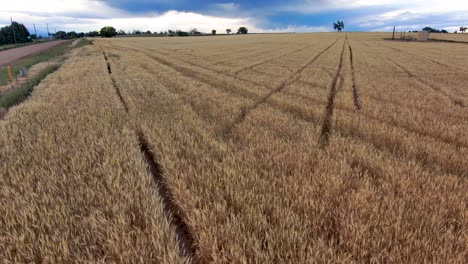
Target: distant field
457, 37
294, 148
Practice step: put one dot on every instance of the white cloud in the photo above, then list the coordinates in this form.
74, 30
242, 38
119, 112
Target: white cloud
423, 6
177, 20
227, 7
87, 15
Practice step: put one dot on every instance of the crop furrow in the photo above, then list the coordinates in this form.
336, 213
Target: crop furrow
326, 125
114, 84
356, 101
188, 244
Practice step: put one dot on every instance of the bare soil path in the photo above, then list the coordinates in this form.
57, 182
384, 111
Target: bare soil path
11, 55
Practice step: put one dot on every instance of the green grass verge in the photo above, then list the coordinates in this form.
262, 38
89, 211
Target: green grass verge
46, 55
18, 94
83, 42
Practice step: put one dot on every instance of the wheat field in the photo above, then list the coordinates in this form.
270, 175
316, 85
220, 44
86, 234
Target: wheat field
281, 148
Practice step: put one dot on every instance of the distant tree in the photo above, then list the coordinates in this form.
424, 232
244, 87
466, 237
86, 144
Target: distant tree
171, 32
72, 34
33, 36
463, 29
136, 32
92, 34
181, 33
433, 30
213, 32
108, 32
121, 32
148, 32
81, 35
339, 25
427, 29
194, 31
242, 30
60, 35
228, 31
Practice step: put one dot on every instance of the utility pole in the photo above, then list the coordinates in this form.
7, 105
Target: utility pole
35, 33
48, 34
13, 29
393, 36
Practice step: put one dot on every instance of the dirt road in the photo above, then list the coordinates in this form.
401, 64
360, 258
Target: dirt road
9, 56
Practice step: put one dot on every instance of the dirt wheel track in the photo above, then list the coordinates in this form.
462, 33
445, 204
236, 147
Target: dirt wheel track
8, 57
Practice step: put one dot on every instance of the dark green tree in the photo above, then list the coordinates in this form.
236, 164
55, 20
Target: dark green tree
228, 31
72, 34
339, 25
429, 29
92, 34
242, 30
60, 35
108, 32
21, 33
213, 32
181, 33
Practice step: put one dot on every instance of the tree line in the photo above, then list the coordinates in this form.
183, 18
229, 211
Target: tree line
18, 33
108, 32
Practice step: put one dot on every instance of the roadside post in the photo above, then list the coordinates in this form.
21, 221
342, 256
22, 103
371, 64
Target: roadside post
10, 75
